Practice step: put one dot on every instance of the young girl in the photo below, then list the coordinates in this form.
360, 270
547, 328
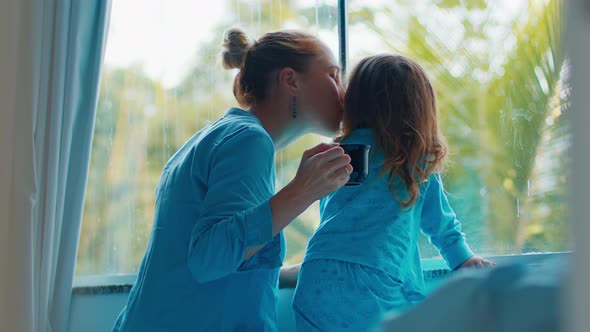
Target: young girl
363, 259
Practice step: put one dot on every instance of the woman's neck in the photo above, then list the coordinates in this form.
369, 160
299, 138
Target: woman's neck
278, 122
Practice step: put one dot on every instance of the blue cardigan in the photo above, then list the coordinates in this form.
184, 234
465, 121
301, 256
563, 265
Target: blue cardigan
212, 204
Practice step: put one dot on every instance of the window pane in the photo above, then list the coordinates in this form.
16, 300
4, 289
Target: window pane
497, 66
161, 83
498, 69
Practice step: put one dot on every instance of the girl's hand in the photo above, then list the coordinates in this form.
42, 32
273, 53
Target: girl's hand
477, 262
323, 169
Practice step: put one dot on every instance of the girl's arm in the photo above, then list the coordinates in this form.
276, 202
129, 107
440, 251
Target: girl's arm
477, 262
440, 224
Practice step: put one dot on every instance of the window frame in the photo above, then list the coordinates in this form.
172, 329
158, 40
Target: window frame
121, 283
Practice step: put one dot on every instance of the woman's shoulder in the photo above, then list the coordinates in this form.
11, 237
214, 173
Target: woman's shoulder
235, 136
227, 132
232, 126
244, 133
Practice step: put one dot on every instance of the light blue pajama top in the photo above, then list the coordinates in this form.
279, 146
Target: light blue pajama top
212, 204
366, 225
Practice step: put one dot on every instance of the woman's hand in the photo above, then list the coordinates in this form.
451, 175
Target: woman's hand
323, 169
477, 262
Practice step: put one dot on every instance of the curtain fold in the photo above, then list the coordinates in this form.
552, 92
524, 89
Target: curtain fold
49, 80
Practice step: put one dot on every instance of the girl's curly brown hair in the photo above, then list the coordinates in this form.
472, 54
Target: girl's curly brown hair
391, 95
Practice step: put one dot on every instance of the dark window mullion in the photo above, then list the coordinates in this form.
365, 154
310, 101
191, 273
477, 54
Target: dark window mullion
343, 36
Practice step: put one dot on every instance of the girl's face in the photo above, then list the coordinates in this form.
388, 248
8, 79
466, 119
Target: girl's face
321, 99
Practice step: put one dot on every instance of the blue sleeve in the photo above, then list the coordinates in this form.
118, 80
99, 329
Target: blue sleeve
440, 224
236, 209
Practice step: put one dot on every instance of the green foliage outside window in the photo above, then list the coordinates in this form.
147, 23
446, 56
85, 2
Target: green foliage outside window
502, 100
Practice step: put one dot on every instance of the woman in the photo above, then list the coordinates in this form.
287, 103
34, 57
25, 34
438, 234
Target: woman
217, 245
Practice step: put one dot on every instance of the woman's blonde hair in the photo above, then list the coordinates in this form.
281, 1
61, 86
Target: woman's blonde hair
258, 60
391, 94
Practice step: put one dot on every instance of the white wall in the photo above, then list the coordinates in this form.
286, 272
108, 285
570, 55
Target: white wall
95, 313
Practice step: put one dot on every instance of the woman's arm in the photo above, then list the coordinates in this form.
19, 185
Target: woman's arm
235, 211
240, 215
323, 169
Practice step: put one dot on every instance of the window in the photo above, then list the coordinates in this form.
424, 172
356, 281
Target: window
161, 83
497, 67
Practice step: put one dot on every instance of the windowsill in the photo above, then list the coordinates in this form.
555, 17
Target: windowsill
434, 269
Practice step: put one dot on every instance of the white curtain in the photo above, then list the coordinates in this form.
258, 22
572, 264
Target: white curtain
49, 76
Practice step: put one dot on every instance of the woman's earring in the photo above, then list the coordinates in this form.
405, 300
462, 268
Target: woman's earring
294, 108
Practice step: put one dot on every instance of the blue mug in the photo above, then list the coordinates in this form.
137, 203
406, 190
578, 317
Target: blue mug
359, 159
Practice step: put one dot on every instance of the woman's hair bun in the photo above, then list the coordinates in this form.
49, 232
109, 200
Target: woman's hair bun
235, 46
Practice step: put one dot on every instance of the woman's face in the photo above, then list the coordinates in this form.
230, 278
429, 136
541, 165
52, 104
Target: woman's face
322, 95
